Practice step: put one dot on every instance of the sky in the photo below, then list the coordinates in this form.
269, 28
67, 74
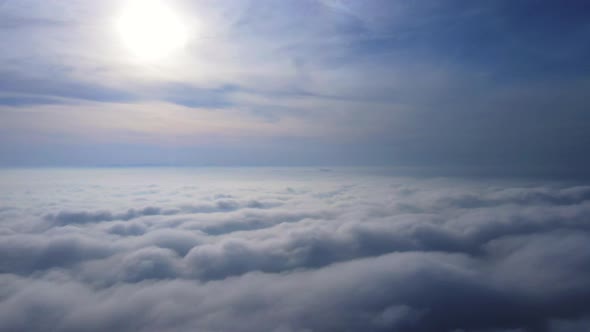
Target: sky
498, 87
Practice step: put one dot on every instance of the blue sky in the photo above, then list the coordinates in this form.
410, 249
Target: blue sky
456, 85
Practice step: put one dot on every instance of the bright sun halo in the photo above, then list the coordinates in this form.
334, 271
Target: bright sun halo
150, 29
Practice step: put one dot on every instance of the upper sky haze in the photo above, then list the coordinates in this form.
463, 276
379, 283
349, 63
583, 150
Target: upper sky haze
499, 86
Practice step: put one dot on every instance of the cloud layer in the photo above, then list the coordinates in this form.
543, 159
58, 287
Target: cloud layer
290, 250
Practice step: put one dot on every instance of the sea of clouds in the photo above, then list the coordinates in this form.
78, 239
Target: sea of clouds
304, 249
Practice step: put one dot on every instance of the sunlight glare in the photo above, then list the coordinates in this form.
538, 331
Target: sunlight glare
150, 29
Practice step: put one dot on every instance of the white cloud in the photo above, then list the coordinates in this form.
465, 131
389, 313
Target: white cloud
289, 250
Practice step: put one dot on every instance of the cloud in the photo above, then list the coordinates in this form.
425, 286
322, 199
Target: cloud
82, 217
27, 253
306, 250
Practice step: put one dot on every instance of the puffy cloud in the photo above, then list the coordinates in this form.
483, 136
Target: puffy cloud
305, 250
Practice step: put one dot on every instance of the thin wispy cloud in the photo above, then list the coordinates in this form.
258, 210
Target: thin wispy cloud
397, 83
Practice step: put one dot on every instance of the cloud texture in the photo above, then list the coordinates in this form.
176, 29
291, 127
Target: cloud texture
290, 250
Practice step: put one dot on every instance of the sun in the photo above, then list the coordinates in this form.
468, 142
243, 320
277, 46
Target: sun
150, 29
